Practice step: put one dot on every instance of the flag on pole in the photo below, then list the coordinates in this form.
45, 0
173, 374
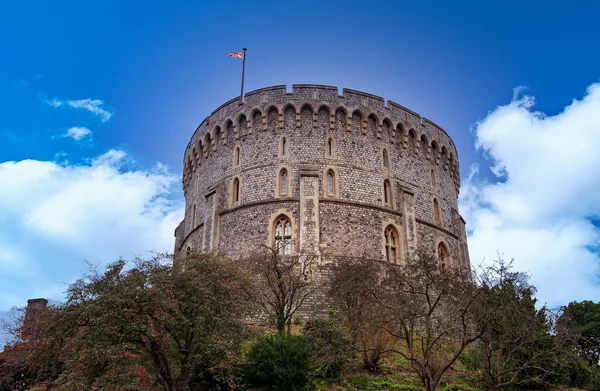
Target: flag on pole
236, 54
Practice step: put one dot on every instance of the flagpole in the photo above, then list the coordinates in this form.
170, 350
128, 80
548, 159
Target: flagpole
243, 70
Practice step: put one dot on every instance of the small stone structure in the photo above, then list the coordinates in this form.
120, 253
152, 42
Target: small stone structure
316, 172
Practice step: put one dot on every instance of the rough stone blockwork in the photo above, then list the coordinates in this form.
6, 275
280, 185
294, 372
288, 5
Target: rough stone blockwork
353, 175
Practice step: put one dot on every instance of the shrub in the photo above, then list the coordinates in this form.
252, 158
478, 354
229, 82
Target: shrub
279, 362
330, 347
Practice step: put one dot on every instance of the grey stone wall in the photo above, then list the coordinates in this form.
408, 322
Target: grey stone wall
351, 221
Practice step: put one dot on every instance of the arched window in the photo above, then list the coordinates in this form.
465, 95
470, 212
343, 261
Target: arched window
436, 212
283, 146
433, 181
283, 236
330, 182
443, 257
391, 244
235, 191
236, 157
329, 147
387, 193
386, 160
283, 185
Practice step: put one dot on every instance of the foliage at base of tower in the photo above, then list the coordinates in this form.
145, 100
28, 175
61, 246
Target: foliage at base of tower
282, 284
521, 345
149, 326
429, 311
279, 362
353, 286
330, 347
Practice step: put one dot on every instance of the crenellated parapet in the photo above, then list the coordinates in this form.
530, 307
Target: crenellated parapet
367, 114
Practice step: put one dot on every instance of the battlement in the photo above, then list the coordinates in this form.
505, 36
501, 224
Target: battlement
350, 101
369, 114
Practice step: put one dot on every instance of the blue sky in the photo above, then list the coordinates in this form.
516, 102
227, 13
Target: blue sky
98, 100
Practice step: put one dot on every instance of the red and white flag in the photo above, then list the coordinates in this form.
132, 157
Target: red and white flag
236, 54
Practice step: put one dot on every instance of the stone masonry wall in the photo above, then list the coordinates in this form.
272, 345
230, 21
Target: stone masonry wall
421, 166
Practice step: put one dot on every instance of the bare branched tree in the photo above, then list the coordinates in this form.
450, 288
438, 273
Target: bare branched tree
353, 286
282, 284
430, 310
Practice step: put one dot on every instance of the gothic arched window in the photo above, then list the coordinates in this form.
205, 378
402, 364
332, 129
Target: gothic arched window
283, 236
391, 244
443, 257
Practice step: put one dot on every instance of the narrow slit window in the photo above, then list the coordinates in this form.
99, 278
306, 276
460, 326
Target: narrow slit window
283, 187
436, 212
433, 181
329, 147
387, 193
236, 159
283, 147
236, 191
194, 216
386, 160
330, 182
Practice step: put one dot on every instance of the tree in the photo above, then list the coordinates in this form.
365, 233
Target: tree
520, 344
585, 317
148, 326
282, 284
354, 283
430, 310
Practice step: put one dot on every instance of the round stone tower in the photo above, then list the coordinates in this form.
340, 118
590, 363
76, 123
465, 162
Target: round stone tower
316, 172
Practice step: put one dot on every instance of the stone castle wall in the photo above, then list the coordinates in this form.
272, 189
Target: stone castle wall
348, 221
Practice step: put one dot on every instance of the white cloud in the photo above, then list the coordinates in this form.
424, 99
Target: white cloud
77, 133
54, 102
542, 206
94, 106
54, 217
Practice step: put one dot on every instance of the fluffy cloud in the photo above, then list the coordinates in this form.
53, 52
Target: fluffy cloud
77, 133
543, 207
54, 217
92, 105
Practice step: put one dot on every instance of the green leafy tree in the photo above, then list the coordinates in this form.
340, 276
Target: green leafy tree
149, 326
279, 362
585, 317
520, 345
